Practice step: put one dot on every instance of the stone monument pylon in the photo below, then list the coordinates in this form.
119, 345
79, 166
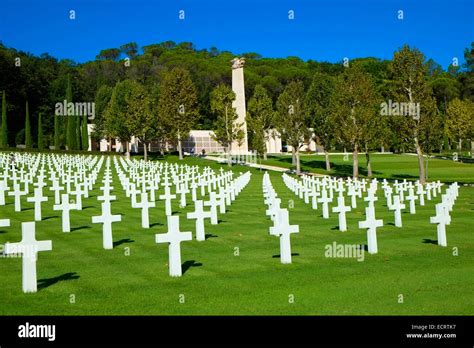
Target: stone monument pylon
238, 87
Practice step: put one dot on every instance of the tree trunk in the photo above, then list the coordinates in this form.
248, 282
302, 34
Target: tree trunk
355, 163
127, 151
298, 166
426, 172
229, 157
460, 145
180, 148
328, 164
293, 156
264, 155
421, 167
369, 165
145, 151
110, 144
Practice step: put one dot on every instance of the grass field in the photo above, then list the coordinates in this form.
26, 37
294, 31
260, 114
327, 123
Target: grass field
383, 166
216, 282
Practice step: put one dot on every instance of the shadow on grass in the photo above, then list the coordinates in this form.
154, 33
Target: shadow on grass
188, 264
87, 207
430, 241
123, 241
292, 254
403, 176
3, 232
210, 235
79, 228
363, 246
156, 224
50, 217
336, 169
44, 283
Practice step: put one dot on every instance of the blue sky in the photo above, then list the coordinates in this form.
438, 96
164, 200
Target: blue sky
322, 30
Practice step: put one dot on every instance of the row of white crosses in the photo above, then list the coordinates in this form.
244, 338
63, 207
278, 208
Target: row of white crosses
174, 237
75, 170
442, 217
310, 188
316, 187
182, 180
281, 225
24, 169
249, 157
83, 171
106, 218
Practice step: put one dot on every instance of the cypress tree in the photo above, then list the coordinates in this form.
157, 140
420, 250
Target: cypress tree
40, 134
78, 132
27, 128
4, 130
71, 136
56, 132
85, 136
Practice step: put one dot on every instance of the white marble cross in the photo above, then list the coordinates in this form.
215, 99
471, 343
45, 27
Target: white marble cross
174, 237
441, 220
412, 198
3, 188
56, 188
325, 200
283, 229
388, 195
133, 195
106, 219
194, 186
273, 208
314, 198
222, 198
341, 209
421, 193
28, 248
351, 191
37, 199
106, 196
182, 191
65, 206
428, 191
371, 198
371, 224
397, 208
78, 193
145, 205
168, 197
199, 214
17, 193
213, 203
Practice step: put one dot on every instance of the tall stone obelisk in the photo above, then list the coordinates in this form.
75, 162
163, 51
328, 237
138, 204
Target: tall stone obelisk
239, 103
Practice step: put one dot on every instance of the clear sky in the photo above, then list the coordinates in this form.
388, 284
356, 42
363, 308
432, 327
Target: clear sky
322, 30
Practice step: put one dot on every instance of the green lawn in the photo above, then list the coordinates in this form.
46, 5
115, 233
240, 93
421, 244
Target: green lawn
107, 282
383, 166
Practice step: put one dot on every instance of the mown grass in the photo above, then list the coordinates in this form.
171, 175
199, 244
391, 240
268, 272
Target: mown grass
383, 166
431, 279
